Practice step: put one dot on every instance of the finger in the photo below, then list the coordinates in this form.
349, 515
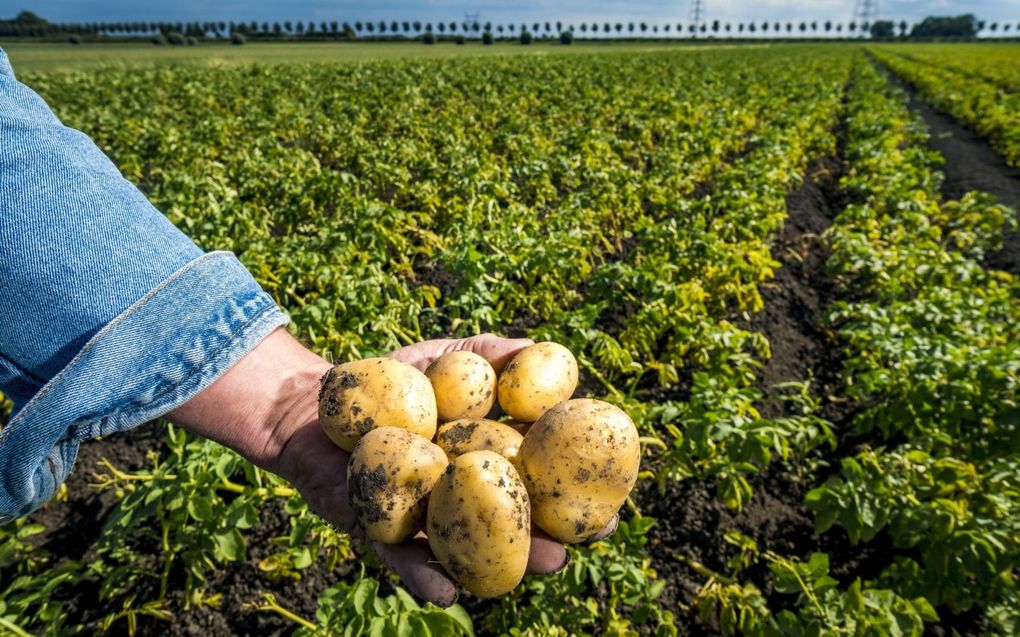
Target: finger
421, 355
606, 531
419, 570
521, 427
547, 555
498, 351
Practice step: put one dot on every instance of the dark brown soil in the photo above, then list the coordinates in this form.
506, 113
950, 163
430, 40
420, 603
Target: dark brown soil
75, 525
692, 521
970, 164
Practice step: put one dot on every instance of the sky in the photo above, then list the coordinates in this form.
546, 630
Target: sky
516, 11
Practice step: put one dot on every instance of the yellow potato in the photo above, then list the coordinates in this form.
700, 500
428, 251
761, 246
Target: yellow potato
579, 463
465, 385
478, 434
357, 397
389, 477
539, 377
479, 523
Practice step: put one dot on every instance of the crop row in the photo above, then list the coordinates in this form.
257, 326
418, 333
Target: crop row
475, 196
987, 108
999, 65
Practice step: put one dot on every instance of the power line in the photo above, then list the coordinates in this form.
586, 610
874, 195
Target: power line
865, 12
697, 15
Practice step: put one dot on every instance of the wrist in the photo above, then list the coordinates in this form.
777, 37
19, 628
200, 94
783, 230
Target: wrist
257, 406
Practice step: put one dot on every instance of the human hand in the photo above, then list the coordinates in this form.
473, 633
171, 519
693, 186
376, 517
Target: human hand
266, 408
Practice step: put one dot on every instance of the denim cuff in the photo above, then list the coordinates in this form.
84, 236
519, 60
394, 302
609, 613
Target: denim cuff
150, 359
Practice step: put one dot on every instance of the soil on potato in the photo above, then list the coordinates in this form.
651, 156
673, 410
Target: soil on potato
970, 164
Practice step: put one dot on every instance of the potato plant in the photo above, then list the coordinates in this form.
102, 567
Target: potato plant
625, 206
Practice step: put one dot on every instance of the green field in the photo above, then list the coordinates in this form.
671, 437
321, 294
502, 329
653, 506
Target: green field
748, 250
50, 57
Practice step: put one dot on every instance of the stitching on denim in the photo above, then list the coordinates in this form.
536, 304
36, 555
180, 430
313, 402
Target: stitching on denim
215, 354
99, 336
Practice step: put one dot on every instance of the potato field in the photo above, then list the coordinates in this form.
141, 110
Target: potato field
794, 266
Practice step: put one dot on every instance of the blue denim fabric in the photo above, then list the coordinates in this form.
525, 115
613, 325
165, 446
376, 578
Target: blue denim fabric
109, 315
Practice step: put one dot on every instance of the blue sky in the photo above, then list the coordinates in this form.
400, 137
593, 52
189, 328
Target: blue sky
515, 11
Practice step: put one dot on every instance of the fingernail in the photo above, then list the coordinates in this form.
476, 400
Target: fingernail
566, 563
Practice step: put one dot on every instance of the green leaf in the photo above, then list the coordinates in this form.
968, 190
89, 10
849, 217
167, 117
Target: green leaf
200, 509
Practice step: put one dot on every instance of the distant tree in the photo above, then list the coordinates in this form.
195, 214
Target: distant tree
827, 25
334, 27
765, 26
584, 27
487, 37
883, 30
511, 27
566, 37
417, 26
776, 27
382, 26
460, 39
300, 26
594, 27
980, 26
548, 28
369, 26
525, 37
839, 28
559, 26
488, 26
961, 26
441, 27
428, 27
852, 26
715, 26
814, 27
311, 28
752, 28
238, 39
728, 27
630, 27
643, 26
429, 37
789, 27
499, 29
277, 28
358, 26
287, 26
740, 27
619, 27
802, 27
453, 27
665, 28
993, 27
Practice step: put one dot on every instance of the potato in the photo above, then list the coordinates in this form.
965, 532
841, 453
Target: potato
539, 376
478, 434
479, 523
579, 462
356, 397
465, 385
389, 476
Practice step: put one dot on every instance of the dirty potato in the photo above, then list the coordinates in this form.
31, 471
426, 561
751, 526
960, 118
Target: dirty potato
359, 396
479, 523
539, 376
389, 476
464, 384
478, 434
579, 462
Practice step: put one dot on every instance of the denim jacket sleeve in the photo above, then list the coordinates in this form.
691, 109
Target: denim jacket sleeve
109, 315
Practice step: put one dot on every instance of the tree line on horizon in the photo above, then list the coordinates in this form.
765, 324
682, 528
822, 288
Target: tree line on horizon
28, 24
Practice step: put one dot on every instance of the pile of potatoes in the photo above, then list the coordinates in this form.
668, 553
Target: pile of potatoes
424, 454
